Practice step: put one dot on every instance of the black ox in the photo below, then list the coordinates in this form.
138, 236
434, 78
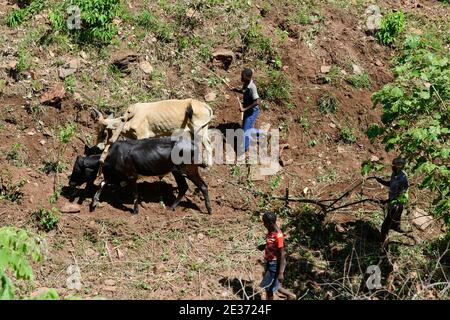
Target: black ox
129, 159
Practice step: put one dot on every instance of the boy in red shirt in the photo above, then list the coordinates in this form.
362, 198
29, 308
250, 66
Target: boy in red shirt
275, 259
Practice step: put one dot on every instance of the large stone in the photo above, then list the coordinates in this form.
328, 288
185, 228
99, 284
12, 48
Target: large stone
325, 69
146, 67
70, 208
210, 96
110, 282
123, 59
356, 69
54, 95
225, 56
421, 219
65, 72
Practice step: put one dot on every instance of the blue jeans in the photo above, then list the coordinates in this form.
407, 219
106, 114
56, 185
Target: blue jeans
247, 125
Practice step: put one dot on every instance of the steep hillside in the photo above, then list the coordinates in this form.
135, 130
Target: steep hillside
303, 53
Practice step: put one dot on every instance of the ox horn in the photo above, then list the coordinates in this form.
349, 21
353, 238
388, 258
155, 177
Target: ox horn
98, 113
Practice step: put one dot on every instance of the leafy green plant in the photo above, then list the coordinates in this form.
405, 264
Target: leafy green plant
359, 81
11, 191
369, 166
347, 135
255, 41
277, 87
15, 154
334, 75
96, 16
47, 219
327, 103
69, 84
392, 25
416, 115
17, 249
18, 16
149, 21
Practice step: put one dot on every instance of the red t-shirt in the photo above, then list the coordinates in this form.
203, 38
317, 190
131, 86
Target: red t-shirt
274, 242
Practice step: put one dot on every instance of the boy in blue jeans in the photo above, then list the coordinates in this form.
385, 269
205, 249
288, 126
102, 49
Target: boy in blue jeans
275, 258
250, 108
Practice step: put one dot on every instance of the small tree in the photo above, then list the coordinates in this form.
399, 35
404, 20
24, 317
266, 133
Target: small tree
17, 248
416, 115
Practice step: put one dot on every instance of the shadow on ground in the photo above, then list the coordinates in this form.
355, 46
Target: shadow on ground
122, 198
244, 289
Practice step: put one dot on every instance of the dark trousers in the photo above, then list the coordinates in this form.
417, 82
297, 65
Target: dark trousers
392, 220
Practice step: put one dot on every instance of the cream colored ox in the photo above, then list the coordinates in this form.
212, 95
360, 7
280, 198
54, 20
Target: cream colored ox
154, 119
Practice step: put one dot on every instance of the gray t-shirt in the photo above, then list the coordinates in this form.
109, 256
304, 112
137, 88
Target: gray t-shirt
250, 94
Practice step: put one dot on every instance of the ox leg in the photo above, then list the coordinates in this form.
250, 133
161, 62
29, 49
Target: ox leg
182, 188
136, 197
193, 175
96, 198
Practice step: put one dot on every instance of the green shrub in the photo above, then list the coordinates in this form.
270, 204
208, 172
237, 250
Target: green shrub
149, 21
97, 17
11, 191
16, 17
46, 219
347, 135
277, 87
359, 81
17, 249
327, 103
16, 154
257, 43
392, 25
416, 115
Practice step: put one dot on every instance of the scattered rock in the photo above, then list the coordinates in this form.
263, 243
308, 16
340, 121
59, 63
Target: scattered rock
91, 253
77, 97
356, 69
374, 158
146, 67
54, 95
340, 228
74, 64
378, 63
84, 55
332, 125
12, 65
64, 73
210, 97
305, 191
224, 56
109, 288
200, 236
325, 69
120, 254
123, 59
287, 162
421, 219
70, 208
340, 149
110, 282
159, 268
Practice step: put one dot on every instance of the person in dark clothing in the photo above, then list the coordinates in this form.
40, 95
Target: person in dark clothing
398, 187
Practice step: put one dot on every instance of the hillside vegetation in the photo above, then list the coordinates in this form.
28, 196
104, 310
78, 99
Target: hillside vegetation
346, 98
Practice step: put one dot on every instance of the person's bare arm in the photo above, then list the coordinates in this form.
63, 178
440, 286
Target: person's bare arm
255, 103
282, 264
383, 182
